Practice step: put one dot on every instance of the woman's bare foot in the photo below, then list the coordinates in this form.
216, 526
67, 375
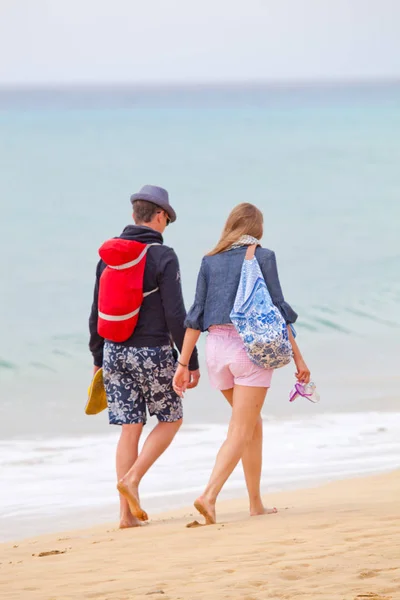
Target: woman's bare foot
130, 492
206, 509
263, 511
129, 521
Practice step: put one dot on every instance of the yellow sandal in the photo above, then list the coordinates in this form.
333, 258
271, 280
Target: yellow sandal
97, 399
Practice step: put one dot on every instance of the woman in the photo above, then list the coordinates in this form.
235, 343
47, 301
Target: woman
243, 384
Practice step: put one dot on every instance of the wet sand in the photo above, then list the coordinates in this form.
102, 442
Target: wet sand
340, 541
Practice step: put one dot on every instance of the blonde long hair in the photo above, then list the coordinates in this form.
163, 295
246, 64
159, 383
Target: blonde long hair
245, 219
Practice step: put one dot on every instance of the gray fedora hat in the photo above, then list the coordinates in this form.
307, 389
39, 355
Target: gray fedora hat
156, 195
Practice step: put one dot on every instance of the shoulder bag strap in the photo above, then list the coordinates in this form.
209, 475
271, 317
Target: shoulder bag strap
251, 250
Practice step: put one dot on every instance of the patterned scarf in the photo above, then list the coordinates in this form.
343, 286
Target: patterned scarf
245, 240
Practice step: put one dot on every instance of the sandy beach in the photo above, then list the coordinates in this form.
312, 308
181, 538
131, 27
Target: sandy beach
339, 541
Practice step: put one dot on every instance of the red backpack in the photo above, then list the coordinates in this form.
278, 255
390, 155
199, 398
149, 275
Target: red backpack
121, 288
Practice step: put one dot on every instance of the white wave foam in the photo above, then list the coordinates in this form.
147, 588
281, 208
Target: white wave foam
50, 478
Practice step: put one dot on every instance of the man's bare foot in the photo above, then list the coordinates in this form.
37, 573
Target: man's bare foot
127, 522
263, 511
130, 492
206, 509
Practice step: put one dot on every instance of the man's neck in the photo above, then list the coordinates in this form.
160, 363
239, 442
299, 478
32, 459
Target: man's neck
148, 226
145, 226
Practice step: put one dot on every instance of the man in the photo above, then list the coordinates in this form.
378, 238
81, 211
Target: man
138, 371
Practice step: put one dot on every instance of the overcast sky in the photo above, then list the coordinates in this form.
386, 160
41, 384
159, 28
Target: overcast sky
90, 41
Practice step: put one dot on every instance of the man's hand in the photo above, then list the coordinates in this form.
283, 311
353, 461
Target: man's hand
95, 369
194, 379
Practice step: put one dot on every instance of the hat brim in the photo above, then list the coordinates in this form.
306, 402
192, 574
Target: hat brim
150, 198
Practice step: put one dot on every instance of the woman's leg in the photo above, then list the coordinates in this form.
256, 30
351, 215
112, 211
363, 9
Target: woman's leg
252, 465
247, 405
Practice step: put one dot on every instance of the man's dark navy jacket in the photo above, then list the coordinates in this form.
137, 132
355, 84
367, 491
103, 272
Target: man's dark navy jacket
163, 313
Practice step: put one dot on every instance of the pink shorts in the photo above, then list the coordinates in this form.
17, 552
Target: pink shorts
228, 363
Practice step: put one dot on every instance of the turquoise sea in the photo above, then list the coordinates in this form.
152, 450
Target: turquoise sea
321, 161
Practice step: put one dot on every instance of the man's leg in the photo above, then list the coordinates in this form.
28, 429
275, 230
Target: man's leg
127, 409
156, 443
163, 402
127, 453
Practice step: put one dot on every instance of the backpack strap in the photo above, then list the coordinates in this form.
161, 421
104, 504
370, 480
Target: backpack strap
128, 315
155, 289
151, 292
250, 253
119, 317
132, 263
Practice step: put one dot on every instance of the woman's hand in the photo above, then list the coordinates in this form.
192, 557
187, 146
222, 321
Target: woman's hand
95, 369
303, 372
181, 380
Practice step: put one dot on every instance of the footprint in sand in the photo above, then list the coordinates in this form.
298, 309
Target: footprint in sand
371, 596
320, 526
368, 574
290, 576
194, 524
257, 584
50, 553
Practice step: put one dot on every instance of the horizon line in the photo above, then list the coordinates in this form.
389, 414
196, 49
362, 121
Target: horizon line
178, 84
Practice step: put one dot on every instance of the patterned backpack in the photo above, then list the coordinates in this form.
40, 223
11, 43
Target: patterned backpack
257, 320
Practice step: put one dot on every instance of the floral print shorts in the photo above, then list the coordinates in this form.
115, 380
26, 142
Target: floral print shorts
136, 378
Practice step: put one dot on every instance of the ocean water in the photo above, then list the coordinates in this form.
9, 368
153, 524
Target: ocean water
322, 162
